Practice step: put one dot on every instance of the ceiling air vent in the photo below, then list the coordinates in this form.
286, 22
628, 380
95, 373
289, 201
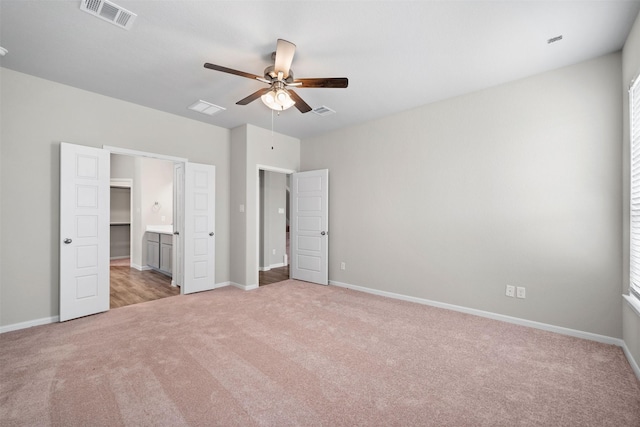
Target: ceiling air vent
205, 107
109, 12
323, 111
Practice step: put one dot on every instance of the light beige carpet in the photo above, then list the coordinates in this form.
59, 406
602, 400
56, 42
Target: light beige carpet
302, 354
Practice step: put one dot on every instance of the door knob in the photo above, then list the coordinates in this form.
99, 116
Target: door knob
211, 234
67, 241
177, 233
323, 232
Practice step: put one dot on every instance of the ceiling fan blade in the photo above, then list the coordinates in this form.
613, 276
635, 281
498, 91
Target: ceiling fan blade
232, 71
330, 82
284, 57
302, 106
253, 96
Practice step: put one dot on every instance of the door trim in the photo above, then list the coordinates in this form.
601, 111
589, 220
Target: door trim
128, 152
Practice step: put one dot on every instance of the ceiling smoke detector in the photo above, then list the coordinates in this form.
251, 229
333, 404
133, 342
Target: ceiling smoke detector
109, 12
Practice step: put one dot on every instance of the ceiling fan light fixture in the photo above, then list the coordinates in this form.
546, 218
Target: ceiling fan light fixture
278, 99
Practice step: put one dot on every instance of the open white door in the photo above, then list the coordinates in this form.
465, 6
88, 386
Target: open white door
84, 231
199, 228
310, 226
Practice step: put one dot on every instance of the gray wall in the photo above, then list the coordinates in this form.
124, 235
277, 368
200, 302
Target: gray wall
252, 147
36, 116
630, 69
517, 184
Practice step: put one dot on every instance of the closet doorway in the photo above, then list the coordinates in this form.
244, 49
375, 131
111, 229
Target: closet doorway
273, 227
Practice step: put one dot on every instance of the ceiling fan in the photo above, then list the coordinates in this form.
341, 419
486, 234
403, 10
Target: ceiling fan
279, 95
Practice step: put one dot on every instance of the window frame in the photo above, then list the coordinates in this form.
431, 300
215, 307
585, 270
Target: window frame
634, 188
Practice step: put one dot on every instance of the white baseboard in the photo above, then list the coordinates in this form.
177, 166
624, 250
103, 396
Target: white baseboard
632, 361
509, 319
56, 319
282, 264
221, 285
140, 267
119, 257
244, 287
29, 324
501, 317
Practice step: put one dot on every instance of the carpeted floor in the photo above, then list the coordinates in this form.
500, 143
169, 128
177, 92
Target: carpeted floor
293, 353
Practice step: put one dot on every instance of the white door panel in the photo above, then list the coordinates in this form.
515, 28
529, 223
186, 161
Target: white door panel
199, 228
310, 229
84, 231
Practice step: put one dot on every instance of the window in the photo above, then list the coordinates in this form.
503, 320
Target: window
634, 138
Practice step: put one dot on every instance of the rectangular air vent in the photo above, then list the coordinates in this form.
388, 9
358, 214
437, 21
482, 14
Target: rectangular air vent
205, 107
323, 111
110, 12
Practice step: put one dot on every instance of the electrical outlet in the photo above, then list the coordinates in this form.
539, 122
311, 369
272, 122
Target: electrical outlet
343, 266
273, 251
511, 291
521, 292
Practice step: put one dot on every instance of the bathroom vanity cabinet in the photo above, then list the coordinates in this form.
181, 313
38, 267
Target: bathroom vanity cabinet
160, 252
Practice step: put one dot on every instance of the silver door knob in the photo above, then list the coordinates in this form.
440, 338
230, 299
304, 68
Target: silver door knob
67, 241
323, 232
211, 234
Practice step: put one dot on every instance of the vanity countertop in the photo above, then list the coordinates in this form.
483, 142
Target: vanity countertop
162, 229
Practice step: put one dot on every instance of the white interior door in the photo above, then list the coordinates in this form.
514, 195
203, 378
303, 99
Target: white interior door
310, 226
199, 228
84, 231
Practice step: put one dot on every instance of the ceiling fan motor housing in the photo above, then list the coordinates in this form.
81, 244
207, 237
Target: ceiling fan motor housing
270, 74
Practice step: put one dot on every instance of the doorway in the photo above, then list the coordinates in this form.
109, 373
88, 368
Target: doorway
142, 199
84, 219
273, 226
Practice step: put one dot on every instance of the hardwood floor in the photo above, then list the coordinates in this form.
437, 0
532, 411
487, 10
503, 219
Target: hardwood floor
130, 286
274, 275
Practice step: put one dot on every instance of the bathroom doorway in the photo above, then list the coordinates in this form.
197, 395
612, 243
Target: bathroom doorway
142, 199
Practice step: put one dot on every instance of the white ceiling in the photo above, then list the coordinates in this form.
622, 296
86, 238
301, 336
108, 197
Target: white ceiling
397, 54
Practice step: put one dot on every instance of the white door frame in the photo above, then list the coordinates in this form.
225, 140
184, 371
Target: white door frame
128, 152
256, 268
